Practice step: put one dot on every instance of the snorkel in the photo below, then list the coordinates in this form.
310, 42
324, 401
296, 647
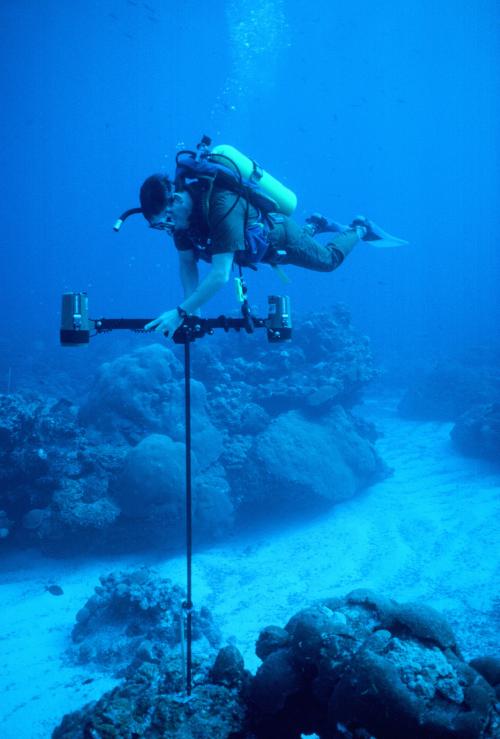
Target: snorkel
166, 225
156, 195
124, 216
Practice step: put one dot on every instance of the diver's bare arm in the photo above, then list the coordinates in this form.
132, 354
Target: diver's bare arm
216, 278
188, 269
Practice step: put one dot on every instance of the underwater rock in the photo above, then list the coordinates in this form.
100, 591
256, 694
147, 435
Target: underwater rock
74, 507
301, 457
53, 478
368, 664
151, 485
135, 390
277, 683
229, 668
404, 688
270, 640
449, 390
253, 418
54, 589
489, 668
422, 622
74, 480
29, 448
337, 670
299, 462
132, 625
5, 525
77, 519
213, 506
308, 632
135, 613
18, 420
35, 518
152, 474
142, 393
327, 363
477, 432
151, 703
355, 442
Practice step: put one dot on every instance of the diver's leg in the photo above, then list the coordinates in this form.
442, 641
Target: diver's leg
303, 251
345, 241
319, 224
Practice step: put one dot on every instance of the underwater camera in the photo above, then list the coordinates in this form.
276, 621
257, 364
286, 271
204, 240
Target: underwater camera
77, 328
279, 320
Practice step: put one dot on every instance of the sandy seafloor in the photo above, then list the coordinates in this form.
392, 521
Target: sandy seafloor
430, 532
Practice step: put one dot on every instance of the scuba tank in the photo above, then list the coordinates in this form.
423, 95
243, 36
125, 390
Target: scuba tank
228, 156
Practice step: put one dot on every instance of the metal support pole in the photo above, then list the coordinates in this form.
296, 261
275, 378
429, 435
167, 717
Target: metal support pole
189, 513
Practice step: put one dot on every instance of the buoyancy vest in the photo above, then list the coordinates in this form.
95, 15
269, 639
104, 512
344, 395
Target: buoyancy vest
226, 168
198, 235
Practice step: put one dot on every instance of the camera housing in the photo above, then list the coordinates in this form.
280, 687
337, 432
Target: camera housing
75, 322
279, 321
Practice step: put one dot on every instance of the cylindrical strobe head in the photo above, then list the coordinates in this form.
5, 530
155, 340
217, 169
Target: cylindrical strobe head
75, 325
279, 322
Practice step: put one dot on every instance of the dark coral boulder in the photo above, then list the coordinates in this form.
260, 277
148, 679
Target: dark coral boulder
477, 432
489, 668
367, 666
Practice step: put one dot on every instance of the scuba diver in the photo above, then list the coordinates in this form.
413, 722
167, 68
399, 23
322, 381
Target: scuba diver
224, 209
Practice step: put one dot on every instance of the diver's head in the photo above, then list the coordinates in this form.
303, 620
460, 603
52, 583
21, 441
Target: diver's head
164, 207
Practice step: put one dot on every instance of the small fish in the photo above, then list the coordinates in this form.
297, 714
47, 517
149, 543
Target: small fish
54, 589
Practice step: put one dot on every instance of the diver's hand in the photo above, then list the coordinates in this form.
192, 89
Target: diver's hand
167, 323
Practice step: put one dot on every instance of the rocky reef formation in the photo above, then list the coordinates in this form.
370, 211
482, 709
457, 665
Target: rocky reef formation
344, 668
327, 363
134, 617
367, 666
53, 474
151, 704
133, 626
468, 396
272, 428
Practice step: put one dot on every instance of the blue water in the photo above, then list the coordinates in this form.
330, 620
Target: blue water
374, 108
385, 109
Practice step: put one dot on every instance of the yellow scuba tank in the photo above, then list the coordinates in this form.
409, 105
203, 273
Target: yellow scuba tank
285, 199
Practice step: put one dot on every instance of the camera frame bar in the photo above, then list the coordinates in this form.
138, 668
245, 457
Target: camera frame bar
192, 327
76, 326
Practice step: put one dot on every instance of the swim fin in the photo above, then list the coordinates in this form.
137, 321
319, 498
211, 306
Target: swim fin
377, 236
